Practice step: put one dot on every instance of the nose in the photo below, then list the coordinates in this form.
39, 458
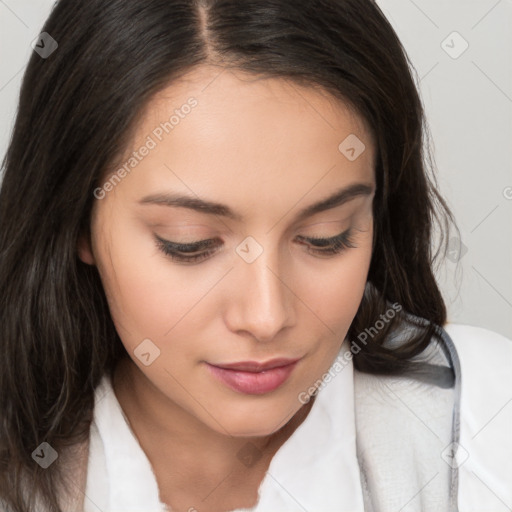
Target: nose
261, 301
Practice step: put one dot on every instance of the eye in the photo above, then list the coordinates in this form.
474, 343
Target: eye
330, 246
198, 251
187, 252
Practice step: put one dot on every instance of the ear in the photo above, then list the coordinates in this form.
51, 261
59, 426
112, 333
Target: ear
84, 249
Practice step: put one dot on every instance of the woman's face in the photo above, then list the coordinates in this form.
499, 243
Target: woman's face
266, 150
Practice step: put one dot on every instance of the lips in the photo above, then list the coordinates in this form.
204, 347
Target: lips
252, 377
255, 366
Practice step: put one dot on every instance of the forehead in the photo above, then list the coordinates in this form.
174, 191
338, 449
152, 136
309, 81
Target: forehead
242, 100
223, 132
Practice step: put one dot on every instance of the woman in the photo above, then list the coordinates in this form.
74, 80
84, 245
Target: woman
217, 276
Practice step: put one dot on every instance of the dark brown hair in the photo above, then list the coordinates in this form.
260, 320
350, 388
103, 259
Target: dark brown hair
77, 111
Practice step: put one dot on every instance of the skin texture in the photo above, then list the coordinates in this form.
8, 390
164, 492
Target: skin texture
266, 148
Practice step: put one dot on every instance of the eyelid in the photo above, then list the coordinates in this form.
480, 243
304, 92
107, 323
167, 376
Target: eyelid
320, 241
200, 248
345, 238
206, 243
188, 247
191, 254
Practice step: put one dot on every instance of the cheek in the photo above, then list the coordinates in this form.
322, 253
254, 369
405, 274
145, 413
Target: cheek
147, 294
333, 289
334, 297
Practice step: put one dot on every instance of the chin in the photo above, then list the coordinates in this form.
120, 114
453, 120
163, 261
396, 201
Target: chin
254, 430
254, 423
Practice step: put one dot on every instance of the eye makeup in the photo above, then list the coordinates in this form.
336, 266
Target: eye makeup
200, 250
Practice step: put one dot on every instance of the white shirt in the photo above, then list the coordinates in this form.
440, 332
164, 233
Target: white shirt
316, 469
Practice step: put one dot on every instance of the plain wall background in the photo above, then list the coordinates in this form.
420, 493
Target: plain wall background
468, 101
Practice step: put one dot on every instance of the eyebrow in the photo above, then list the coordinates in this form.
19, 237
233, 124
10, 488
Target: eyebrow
340, 197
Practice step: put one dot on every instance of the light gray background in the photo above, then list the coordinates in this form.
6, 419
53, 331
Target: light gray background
468, 101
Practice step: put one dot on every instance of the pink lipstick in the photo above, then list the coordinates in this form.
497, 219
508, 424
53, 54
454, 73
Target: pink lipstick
252, 377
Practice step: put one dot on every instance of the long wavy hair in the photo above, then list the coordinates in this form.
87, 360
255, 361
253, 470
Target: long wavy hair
78, 109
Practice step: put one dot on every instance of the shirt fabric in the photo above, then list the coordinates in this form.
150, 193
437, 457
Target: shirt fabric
316, 469
485, 446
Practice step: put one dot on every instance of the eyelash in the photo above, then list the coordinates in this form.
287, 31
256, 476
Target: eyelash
177, 251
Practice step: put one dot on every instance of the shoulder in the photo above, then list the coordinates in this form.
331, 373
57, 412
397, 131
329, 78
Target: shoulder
471, 336
485, 366
482, 349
